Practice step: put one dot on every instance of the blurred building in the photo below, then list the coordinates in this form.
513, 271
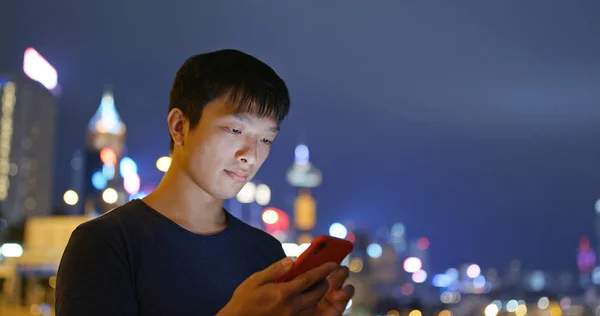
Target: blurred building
597, 225
103, 187
305, 176
397, 239
586, 262
27, 139
29, 273
76, 181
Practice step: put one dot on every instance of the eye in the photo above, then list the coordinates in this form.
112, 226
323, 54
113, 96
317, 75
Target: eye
234, 130
266, 141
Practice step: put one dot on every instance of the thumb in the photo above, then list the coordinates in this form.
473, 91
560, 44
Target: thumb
274, 272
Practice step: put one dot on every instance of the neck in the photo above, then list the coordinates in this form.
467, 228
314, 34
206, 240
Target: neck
181, 200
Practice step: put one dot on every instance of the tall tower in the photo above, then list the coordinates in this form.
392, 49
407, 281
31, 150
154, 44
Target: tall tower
27, 136
597, 226
303, 175
103, 188
586, 262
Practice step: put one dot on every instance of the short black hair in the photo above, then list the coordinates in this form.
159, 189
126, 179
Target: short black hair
251, 84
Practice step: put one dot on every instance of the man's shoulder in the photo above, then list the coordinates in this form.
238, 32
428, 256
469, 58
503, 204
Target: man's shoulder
256, 234
259, 239
111, 222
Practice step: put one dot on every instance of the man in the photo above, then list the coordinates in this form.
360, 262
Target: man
177, 251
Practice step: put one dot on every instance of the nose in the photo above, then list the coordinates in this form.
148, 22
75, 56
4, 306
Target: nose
247, 154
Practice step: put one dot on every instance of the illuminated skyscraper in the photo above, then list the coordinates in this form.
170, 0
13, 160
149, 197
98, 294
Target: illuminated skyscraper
303, 175
27, 136
586, 262
597, 226
103, 185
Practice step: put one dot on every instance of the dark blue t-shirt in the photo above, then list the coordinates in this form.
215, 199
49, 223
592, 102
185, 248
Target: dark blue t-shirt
135, 261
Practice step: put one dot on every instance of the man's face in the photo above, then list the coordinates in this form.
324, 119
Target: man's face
226, 149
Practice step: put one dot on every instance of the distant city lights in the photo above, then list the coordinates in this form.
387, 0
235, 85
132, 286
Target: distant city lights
108, 172
39, 69
596, 276
163, 163
543, 303
441, 280
11, 250
127, 167
423, 243
412, 264
108, 157
7, 101
132, 184
71, 197
270, 216
498, 304
511, 306
110, 196
301, 154
419, 276
450, 297
247, 193
350, 237
537, 281
106, 120
452, 273
479, 282
398, 230
356, 265
407, 289
473, 271
491, 310
263, 194
415, 312
374, 250
338, 230
99, 181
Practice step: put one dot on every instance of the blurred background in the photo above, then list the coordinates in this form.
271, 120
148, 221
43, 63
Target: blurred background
456, 143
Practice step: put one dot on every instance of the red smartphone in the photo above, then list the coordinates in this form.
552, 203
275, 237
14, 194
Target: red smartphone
323, 249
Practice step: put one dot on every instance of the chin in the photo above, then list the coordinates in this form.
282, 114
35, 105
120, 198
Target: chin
225, 193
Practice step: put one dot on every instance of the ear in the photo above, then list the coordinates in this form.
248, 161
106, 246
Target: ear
177, 126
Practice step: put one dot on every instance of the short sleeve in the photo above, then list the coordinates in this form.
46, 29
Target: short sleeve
94, 277
279, 252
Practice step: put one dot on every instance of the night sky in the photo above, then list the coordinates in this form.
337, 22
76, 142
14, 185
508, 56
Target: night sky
475, 123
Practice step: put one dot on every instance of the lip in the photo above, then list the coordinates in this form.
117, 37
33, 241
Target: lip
237, 175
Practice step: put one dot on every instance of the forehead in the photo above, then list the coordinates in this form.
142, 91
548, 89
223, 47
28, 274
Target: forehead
250, 113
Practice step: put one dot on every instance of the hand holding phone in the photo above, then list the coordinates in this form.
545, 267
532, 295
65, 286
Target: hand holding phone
300, 287
323, 249
261, 295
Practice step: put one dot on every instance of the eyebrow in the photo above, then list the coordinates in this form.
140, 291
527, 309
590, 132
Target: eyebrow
244, 118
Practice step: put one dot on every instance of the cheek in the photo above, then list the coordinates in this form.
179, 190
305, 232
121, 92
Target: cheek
218, 150
263, 154
200, 152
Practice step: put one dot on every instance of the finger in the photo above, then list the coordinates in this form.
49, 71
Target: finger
310, 278
273, 273
311, 311
338, 277
343, 295
311, 297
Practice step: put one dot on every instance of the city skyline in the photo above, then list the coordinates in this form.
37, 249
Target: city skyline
486, 142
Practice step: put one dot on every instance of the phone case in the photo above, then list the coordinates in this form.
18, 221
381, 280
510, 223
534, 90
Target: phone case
323, 249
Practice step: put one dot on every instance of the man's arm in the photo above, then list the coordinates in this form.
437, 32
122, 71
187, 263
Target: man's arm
94, 278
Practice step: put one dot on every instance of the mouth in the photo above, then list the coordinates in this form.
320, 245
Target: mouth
237, 176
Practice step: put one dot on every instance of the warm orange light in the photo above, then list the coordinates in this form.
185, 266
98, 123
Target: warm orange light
108, 157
